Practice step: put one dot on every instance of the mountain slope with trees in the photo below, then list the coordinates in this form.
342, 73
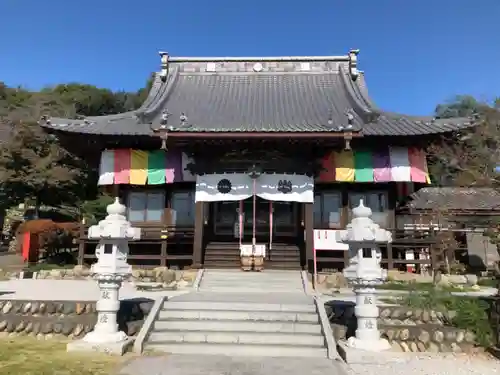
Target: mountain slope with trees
33, 165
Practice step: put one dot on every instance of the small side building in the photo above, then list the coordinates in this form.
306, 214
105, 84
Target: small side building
465, 211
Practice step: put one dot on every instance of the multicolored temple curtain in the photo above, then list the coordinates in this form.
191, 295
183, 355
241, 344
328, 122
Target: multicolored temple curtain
138, 167
391, 164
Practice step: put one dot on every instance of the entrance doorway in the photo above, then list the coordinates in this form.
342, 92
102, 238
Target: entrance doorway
276, 220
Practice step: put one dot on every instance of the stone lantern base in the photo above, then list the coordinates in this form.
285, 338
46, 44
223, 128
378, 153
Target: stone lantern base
377, 345
87, 344
362, 355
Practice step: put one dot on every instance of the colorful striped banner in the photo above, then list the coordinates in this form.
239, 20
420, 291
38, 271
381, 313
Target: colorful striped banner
138, 167
392, 164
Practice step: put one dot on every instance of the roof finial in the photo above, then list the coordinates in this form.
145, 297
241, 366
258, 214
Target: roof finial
164, 65
183, 118
350, 119
353, 63
165, 114
330, 117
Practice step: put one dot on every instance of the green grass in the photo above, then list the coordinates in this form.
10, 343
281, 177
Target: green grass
488, 281
28, 356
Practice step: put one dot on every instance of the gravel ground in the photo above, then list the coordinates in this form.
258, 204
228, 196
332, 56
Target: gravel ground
429, 364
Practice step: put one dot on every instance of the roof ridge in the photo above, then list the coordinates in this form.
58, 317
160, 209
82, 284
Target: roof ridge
258, 59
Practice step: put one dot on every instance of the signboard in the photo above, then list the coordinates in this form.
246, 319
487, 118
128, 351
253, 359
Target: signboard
325, 239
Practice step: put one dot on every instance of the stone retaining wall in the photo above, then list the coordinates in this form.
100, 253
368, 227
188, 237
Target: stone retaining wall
427, 338
72, 319
407, 329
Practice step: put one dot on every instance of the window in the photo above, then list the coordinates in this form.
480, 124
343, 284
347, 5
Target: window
376, 200
327, 209
146, 206
183, 208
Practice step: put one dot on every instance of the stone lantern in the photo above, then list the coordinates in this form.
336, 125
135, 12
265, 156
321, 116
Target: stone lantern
364, 273
110, 270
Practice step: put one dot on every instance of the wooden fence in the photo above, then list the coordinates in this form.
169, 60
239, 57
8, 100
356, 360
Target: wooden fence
160, 245
173, 246
418, 241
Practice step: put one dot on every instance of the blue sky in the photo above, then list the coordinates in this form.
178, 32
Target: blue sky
416, 54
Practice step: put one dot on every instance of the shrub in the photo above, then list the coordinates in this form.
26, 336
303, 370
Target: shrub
53, 238
467, 313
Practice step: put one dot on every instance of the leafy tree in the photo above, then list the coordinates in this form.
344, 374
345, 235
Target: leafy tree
471, 158
33, 164
95, 210
459, 106
468, 157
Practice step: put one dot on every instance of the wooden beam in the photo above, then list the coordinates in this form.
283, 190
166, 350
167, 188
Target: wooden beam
198, 235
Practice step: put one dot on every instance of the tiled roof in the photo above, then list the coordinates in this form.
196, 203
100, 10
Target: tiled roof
294, 94
459, 199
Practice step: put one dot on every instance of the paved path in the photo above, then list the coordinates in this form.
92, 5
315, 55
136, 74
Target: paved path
11, 261
394, 364
177, 364
70, 290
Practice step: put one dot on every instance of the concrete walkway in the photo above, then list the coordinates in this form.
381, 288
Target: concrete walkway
70, 290
178, 364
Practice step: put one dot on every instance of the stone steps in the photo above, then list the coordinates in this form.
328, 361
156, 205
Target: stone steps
228, 281
240, 350
241, 306
241, 326
245, 289
233, 337
227, 255
260, 316
238, 328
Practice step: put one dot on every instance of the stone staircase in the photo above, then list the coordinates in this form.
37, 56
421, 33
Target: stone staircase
239, 325
227, 255
242, 313
252, 282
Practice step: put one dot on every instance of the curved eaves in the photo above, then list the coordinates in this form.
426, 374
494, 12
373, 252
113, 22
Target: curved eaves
158, 105
153, 96
361, 90
359, 105
153, 93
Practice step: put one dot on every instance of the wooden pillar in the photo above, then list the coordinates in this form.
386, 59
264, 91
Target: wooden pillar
199, 223
309, 233
81, 244
390, 256
167, 226
116, 192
